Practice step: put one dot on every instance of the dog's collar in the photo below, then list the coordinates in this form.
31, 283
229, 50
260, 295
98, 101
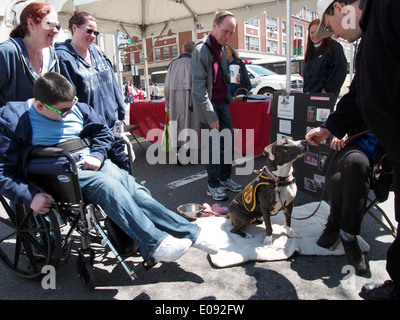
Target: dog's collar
281, 180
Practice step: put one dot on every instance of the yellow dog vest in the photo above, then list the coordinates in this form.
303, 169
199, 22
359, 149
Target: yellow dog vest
249, 192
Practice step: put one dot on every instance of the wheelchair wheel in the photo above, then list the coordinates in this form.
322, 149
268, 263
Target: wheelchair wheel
85, 269
28, 241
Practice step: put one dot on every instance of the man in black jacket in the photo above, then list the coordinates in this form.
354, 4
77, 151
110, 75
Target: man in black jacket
374, 96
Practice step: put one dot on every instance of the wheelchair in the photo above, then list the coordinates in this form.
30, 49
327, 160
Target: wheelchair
29, 241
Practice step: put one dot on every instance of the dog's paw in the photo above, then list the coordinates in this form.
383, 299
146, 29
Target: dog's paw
291, 234
248, 235
268, 241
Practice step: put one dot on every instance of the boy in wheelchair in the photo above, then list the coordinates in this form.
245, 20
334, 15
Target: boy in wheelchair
53, 117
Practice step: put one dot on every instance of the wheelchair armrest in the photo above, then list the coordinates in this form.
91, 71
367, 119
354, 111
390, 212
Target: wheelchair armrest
41, 152
44, 152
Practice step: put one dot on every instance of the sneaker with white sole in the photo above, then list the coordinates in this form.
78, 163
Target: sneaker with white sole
204, 243
171, 249
217, 194
231, 185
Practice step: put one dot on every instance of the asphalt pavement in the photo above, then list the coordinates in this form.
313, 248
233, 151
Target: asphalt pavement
193, 276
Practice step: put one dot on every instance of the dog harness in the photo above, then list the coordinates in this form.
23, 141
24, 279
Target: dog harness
263, 178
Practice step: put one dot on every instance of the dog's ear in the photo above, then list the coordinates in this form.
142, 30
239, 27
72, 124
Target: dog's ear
269, 152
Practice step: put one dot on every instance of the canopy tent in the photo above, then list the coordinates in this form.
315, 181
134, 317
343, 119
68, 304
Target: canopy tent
146, 18
153, 16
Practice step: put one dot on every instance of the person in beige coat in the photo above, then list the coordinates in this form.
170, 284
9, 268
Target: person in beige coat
178, 100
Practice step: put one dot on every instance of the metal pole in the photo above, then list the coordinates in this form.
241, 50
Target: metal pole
146, 66
289, 45
119, 74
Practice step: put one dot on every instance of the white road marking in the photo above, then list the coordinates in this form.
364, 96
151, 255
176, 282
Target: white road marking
189, 179
181, 182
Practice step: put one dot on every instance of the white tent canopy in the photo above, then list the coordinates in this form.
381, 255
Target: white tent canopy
147, 18
154, 16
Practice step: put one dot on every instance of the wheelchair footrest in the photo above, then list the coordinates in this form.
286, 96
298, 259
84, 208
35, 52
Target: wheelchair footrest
143, 267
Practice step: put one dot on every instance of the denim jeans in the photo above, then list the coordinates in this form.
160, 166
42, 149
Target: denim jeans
132, 208
221, 171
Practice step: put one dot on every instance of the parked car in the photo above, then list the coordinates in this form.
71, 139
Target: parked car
265, 81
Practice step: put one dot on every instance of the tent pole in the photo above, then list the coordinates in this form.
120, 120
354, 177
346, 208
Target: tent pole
146, 66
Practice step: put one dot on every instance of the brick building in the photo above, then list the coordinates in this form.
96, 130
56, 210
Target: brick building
257, 38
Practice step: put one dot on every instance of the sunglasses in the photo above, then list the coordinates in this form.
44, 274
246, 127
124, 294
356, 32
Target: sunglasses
51, 25
90, 31
62, 112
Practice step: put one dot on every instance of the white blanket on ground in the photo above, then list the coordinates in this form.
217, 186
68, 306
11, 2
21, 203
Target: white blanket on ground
235, 250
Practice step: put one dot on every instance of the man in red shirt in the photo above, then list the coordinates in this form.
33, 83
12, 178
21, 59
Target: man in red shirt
210, 98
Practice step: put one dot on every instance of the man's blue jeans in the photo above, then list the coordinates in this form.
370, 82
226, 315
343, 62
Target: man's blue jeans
132, 208
221, 171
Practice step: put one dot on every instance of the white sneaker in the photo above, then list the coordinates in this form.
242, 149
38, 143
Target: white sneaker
217, 193
171, 249
231, 185
203, 243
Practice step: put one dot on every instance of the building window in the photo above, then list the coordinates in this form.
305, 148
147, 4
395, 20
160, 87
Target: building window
283, 26
252, 43
175, 52
166, 53
298, 30
272, 24
272, 46
252, 22
157, 54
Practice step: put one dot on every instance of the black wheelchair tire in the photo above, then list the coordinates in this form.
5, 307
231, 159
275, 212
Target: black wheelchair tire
25, 248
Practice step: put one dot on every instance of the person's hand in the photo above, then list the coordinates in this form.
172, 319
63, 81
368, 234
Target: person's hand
339, 144
238, 78
91, 163
41, 203
215, 125
316, 135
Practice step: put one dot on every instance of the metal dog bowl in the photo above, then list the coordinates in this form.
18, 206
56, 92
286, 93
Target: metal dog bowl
191, 210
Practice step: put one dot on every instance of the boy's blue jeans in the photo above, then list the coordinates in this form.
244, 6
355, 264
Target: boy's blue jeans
221, 171
132, 208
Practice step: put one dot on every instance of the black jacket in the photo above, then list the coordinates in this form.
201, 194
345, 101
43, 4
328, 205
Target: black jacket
374, 96
326, 70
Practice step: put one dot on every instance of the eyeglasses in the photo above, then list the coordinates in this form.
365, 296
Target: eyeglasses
90, 31
51, 25
62, 112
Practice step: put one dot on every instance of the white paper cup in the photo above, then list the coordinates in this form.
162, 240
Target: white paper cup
234, 70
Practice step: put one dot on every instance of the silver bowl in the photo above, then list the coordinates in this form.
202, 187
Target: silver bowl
191, 210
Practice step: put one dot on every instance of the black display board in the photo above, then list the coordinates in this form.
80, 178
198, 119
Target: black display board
292, 118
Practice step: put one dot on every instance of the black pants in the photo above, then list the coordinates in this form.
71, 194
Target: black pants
393, 254
347, 184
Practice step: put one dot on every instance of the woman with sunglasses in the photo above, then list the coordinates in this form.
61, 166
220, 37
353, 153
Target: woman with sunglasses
28, 53
89, 70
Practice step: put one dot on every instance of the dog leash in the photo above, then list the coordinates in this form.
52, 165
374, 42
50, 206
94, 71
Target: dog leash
353, 137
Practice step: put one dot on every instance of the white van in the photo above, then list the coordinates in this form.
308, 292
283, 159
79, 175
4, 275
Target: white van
265, 81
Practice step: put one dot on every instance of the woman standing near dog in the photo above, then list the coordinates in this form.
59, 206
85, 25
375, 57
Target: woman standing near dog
28, 53
325, 64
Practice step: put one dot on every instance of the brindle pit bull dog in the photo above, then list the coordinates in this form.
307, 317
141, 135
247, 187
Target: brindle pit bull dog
271, 191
